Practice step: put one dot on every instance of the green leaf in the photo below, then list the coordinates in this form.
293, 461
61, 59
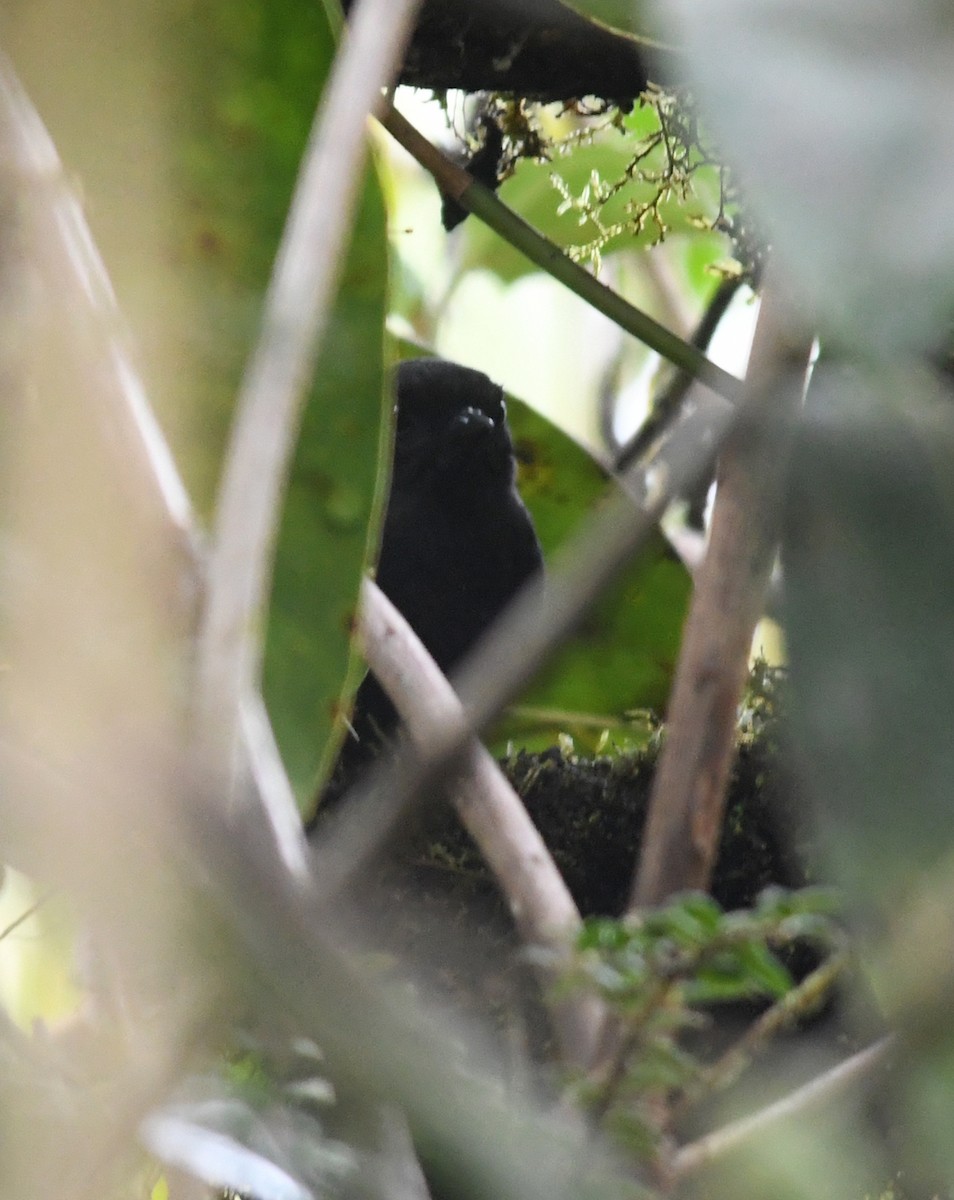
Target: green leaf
257, 71
323, 545
762, 969
623, 656
622, 16
252, 74
694, 920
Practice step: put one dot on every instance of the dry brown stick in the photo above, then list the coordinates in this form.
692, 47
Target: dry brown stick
686, 806
487, 805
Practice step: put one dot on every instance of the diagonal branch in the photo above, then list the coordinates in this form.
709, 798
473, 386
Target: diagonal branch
823, 1089
455, 182
487, 805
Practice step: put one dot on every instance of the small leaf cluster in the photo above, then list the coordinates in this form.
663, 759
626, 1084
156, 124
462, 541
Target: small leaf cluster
663, 974
671, 167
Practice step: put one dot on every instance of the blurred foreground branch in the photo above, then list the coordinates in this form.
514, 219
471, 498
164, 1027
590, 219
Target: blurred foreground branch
685, 814
489, 808
821, 1090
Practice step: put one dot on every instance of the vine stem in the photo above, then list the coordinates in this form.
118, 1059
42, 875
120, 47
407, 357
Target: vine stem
455, 182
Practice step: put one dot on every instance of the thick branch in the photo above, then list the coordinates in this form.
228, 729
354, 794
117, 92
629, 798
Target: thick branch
685, 812
539, 49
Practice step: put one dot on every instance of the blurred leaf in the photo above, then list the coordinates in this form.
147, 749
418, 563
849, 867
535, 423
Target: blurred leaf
323, 543
251, 75
761, 970
247, 1140
694, 918
218, 1159
840, 118
226, 1144
868, 555
258, 69
185, 125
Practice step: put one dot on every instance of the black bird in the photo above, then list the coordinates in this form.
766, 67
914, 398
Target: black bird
458, 542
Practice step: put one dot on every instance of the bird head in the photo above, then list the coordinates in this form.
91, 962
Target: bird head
451, 427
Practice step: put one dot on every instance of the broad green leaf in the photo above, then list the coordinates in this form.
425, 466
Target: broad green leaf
184, 123
623, 655
324, 539
622, 16
257, 70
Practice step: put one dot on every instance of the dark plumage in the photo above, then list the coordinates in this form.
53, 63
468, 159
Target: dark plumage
458, 542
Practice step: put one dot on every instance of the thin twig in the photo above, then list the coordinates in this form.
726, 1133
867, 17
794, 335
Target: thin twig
794, 1004
273, 391
684, 820
489, 808
820, 1090
483, 203
666, 404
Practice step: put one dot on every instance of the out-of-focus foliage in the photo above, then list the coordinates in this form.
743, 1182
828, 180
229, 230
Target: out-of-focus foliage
835, 117
261, 1130
839, 118
623, 16
870, 547
665, 974
254, 76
